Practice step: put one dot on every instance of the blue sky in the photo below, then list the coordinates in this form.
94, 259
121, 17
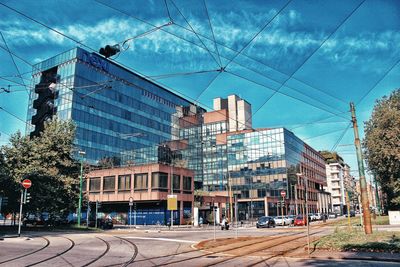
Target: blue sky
314, 82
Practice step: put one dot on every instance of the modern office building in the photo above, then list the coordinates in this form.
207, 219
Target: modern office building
254, 165
113, 108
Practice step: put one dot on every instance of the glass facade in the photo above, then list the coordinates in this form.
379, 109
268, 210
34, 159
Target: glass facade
114, 109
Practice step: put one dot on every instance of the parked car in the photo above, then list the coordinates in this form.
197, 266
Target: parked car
291, 218
34, 220
352, 214
282, 220
265, 222
102, 223
332, 215
300, 220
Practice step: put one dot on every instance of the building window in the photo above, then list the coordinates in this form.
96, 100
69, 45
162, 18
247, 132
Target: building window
176, 182
187, 183
140, 181
159, 181
124, 182
94, 184
109, 183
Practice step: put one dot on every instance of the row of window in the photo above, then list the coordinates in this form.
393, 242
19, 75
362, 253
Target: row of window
159, 181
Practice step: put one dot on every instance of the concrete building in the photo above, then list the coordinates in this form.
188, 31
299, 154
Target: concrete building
149, 186
340, 184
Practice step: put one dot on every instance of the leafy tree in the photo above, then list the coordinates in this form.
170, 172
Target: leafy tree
331, 157
382, 146
48, 162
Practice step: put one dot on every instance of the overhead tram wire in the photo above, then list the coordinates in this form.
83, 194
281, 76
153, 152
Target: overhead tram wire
78, 42
255, 36
323, 134
310, 55
166, 7
260, 62
169, 75
15, 64
15, 116
212, 31
378, 82
223, 69
201, 41
282, 93
341, 137
191, 42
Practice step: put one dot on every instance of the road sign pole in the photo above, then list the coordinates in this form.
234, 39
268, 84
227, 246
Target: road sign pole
97, 210
236, 217
130, 212
20, 213
214, 223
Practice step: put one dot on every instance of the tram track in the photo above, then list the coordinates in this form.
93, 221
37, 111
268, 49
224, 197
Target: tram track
57, 255
215, 253
30, 253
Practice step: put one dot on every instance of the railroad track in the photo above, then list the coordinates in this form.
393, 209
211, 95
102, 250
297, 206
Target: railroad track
30, 253
102, 254
57, 255
134, 255
215, 253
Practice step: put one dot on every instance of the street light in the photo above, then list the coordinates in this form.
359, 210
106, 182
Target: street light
82, 154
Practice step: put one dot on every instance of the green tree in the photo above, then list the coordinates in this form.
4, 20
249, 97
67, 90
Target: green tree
48, 162
382, 146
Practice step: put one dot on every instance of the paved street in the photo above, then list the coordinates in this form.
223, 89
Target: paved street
178, 247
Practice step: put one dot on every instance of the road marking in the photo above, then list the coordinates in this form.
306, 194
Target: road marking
162, 239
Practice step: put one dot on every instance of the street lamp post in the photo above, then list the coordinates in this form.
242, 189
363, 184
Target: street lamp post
82, 154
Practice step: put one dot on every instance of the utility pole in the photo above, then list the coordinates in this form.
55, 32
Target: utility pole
363, 182
308, 222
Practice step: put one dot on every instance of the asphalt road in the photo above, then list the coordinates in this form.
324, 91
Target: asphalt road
283, 247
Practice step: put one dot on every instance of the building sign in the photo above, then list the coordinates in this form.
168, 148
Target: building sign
172, 202
95, 61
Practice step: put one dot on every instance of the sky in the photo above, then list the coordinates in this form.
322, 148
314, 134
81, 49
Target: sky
299, 63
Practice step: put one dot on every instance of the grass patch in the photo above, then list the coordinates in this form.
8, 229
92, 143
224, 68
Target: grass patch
356, 240
379, 220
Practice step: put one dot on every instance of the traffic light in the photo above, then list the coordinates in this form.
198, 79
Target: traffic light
110, 50
44, 104
27, 197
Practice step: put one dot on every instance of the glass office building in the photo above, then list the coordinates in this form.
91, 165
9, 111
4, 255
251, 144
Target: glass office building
113, 108
256, 165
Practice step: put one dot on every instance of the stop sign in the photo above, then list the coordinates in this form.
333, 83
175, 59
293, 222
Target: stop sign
26, 183
283, 193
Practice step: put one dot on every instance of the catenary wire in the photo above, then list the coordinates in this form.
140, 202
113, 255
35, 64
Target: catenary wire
191, 42
201, 41
15, 64
378, 81
341, 137
310, 55
255, 36
48, 27
212, 31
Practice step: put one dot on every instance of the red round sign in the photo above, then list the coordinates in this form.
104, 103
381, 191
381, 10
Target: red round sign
283, 193
26, 183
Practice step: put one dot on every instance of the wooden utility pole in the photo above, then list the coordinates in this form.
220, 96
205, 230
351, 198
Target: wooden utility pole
363, 182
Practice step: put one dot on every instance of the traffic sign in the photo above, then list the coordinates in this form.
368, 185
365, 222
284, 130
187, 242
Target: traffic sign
172, 202
131, 201
283, 193
26, 183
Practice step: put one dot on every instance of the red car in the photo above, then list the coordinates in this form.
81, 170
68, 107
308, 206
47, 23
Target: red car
300, 220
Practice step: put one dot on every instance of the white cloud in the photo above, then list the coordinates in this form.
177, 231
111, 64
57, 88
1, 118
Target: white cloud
233, 29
